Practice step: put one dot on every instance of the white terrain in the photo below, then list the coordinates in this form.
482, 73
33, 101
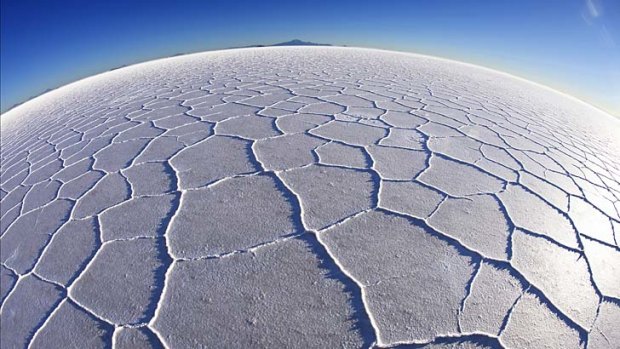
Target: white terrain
309, 198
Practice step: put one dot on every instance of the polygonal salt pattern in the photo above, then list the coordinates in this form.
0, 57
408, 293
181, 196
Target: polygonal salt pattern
308, 197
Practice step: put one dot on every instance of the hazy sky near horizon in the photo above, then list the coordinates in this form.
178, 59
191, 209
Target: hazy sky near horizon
570, 45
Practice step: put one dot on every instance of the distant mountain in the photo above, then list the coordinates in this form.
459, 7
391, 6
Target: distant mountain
294, 42
297, 42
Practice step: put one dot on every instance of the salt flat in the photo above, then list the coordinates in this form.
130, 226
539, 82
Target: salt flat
309, 197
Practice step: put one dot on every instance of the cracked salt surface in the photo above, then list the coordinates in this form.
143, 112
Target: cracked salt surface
308, 197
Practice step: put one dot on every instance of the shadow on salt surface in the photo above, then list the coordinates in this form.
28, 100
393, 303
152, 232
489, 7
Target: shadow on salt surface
466, 341
173, 186
166, 260
359, 315
291, 199
159, 280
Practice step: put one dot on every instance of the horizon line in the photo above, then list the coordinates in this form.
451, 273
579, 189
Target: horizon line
272, 46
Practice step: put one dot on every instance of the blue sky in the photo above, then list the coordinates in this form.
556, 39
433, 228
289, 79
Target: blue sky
570, 45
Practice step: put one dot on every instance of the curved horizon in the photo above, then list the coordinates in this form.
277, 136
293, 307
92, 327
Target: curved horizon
570, 46
134, 65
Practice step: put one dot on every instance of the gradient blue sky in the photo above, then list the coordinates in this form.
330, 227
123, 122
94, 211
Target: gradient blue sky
571, 45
